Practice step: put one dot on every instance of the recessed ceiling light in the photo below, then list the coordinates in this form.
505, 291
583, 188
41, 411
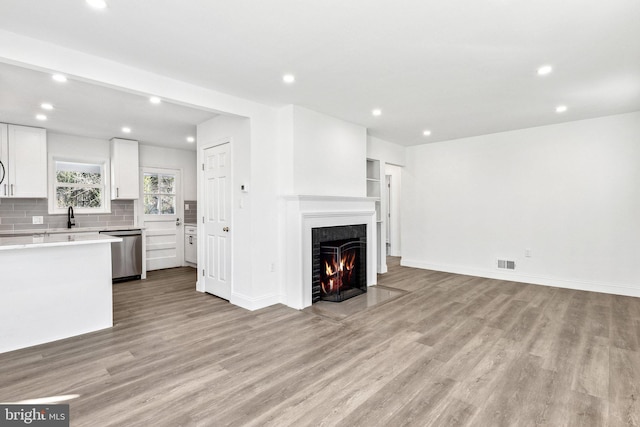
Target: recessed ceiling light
59, 78
98, 4
561, 108
191, 139
46, 106
154, 100
544, 70
41, 117
126, 130
426, 133
288, 78
376, 112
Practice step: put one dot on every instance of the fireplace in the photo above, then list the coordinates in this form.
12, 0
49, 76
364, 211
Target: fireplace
339, 262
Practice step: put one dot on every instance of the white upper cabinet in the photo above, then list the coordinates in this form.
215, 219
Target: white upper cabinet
23, 152
125, 173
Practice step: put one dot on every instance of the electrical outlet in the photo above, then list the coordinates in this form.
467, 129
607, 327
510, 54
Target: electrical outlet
37, 220
186, 206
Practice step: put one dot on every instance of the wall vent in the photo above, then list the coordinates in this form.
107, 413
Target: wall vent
505, 264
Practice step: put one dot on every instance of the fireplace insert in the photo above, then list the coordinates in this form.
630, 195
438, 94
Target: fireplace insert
339, 261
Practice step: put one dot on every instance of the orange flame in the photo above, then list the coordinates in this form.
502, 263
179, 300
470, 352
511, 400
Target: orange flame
338, 273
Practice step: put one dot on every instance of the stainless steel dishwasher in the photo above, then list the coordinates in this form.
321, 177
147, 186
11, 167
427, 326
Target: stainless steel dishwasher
126, 256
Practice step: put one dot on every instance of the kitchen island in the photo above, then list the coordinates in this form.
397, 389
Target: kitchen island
53, 287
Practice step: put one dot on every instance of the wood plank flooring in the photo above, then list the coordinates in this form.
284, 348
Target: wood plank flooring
452, 350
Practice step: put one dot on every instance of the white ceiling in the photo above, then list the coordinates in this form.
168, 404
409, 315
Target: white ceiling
94, 111
459, 68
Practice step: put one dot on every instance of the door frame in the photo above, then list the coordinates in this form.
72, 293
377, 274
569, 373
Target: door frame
201, 206
387, 215
179, 210
395, 208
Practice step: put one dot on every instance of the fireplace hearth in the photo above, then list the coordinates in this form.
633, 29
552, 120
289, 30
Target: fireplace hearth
339, 262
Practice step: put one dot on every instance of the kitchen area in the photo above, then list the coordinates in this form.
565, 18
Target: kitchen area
28, 211
79, 213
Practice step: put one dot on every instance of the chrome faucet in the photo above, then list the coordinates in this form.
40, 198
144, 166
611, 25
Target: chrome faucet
71, 221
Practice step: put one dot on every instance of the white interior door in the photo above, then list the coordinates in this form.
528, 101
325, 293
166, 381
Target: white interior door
162, 210
217, 220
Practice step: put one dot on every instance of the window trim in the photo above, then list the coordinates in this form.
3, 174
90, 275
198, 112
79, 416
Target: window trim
104, 164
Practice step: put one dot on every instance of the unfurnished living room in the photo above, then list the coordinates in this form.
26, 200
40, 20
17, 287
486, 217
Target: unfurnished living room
274, 213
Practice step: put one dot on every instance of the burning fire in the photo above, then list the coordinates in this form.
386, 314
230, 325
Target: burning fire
338, 274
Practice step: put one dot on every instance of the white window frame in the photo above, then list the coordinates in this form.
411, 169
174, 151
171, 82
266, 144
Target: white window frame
174, 194
106, 179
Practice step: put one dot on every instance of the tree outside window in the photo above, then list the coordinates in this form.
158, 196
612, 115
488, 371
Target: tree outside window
79, 185
159, 194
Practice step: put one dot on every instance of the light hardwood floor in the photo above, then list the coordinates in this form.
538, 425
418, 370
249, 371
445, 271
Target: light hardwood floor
452, 350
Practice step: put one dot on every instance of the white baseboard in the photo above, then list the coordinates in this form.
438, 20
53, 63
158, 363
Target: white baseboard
255, 303
606, 288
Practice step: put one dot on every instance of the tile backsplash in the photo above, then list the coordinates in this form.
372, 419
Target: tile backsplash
191, 214
16, 214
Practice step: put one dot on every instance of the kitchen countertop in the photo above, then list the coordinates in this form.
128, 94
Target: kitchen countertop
46, 231
50, 240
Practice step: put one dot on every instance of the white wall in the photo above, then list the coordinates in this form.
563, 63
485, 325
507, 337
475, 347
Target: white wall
569, 192
77, 147
385, 151
218, 130
286, 177
328, 154
185, 161
254, 214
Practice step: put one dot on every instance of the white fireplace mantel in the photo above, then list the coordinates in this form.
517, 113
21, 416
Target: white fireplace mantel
304, 213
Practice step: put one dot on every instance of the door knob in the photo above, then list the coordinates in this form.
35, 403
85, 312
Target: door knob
226, 229
177, 221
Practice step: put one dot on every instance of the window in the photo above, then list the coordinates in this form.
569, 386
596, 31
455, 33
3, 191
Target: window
159, 194
79, 185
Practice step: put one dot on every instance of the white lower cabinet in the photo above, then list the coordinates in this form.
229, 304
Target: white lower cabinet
191, 244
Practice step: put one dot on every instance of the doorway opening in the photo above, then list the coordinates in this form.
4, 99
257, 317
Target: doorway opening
393, 182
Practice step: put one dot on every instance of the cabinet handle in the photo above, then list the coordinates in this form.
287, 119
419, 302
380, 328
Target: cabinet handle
117, 192
12, 189
5, 189
191, 240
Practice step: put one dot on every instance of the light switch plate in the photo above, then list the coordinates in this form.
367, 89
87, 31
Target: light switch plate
37, 220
